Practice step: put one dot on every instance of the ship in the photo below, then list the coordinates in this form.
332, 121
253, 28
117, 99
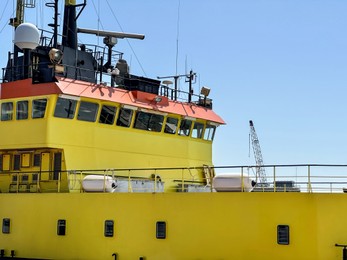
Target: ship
98, 163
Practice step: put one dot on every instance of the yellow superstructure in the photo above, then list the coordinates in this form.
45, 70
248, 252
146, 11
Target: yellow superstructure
41, 144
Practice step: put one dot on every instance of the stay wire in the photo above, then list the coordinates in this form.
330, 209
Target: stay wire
131, 47
3, 10
12, 15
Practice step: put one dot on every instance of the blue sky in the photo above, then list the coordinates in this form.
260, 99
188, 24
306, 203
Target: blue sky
279, 63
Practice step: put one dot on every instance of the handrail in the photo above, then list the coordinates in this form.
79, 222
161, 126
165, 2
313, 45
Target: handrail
307, 178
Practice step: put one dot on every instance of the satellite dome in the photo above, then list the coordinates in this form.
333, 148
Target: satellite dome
27, 36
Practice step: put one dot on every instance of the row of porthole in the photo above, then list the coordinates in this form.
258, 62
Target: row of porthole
282, 230
108, 228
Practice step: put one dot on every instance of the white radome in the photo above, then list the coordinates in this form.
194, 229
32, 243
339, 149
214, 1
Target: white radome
27, 36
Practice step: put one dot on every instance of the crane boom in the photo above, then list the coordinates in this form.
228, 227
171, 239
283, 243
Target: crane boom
260, 171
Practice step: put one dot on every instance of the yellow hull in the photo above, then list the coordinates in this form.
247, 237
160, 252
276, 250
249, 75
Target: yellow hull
198, 225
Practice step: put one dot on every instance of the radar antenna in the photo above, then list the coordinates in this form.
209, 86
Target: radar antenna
260, 171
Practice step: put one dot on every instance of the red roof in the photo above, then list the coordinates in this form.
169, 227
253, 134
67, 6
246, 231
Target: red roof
24, 88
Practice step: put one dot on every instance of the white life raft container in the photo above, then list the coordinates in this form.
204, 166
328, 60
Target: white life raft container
98, 183
232, 182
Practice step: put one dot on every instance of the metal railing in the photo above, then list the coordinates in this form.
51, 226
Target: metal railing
305, 178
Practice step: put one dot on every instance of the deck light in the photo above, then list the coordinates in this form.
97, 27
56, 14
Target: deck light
157, 99
167, 82
205, 91
55, 55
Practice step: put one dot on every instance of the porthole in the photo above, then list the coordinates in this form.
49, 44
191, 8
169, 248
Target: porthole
109, 228
283, 234
6, 223
61, 227
161, 230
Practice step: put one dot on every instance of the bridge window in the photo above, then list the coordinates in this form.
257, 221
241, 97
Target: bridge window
39, 108
197, 130
65, 108
87, 111
107, 115
6, 111
209, 132
148, 121
22, 110
171, 125
124, 117
185, 127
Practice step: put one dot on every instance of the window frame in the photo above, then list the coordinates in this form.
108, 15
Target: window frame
7, 115
73, 108
105, 118
176, 126
207, 132
22, 115
183, 123
147, 119
38, 111
129, 120
198, 135
87, 116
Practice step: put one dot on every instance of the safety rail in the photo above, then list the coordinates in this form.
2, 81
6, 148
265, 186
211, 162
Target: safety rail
305, 178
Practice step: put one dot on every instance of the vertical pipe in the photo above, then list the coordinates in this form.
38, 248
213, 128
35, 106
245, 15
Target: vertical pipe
190, 86
211, 178
104, 181
81, 178
55, 35
176, 87
129, 182
309, 178
59, 181
26, 63
182, 180
242, 182
274, 178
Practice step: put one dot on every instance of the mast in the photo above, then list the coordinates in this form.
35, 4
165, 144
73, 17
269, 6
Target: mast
70, 26
70, 23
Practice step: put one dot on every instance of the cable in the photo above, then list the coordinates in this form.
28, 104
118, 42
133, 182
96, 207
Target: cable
115, 17
3, 11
